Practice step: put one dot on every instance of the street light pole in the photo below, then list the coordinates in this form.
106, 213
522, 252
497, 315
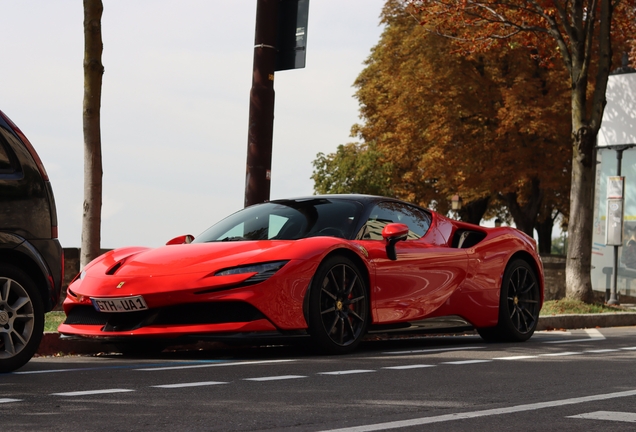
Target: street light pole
261, 114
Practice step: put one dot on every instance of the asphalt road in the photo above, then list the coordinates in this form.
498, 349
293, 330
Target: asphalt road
566, 381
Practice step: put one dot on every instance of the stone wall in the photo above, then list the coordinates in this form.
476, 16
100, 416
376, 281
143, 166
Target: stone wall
554, 273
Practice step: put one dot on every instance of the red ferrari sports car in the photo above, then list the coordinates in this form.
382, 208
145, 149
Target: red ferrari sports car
332, 268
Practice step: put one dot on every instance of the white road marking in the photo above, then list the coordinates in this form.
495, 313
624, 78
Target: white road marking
565, 353
555, 332
575, 340
44, 371
598, 351
192, 384
519, 357
483, 413
463, 362
9, 400
433, 350
275, 378
629, 348
413, 366
207, 365
608, 415
92, 392
594, 335
346, 372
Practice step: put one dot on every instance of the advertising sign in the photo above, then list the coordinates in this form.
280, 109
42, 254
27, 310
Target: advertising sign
617, 129
619, 118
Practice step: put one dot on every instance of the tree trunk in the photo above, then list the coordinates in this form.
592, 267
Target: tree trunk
578, 265
544, 231
526, 215
93, 71
578, 281
474, 211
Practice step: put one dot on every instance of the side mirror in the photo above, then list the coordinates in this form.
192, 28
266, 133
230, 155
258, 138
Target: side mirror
184, 239
393, 233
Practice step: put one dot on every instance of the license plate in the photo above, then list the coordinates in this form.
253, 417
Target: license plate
120, 304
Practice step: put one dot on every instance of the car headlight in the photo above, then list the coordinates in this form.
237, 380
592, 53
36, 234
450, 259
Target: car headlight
263, 270
78, 277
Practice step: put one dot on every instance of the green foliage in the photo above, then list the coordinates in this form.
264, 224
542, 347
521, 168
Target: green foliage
353, 168
559, 245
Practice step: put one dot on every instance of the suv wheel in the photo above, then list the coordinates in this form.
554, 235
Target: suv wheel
21, 318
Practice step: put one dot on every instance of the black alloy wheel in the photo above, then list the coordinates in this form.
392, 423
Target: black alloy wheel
519, 305
338, 306
21, 318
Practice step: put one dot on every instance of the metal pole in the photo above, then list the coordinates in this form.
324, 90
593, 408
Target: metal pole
613, 300
261, 115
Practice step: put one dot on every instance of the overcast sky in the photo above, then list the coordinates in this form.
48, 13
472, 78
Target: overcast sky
175, 105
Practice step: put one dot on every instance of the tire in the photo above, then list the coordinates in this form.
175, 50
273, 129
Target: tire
519, 305
338, 306
21, 318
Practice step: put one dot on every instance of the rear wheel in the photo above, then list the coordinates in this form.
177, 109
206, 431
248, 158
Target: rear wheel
21, 318
338, 306
519, 305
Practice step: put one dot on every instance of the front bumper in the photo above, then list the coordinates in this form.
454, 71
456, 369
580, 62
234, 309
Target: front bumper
170, 321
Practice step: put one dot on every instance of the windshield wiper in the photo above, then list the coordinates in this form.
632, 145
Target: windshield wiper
236, 238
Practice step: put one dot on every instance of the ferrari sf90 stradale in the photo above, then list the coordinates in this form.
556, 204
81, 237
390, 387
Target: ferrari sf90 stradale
331, 268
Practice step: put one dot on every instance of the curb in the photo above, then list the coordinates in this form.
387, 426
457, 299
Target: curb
52, 344
577, 321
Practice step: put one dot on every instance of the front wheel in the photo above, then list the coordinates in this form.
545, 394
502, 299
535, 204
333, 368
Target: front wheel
21, 318
338, 306
519, 305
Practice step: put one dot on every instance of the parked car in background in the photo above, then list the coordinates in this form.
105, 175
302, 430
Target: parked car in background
31, 258
331, 268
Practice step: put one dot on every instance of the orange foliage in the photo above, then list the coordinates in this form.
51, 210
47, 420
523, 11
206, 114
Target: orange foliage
478, 125
587, 36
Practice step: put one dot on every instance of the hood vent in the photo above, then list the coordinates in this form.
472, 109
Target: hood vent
111, 271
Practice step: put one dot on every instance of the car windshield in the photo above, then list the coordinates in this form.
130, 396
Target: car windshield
287, 220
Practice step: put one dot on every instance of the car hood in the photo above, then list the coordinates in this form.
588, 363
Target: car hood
189, 258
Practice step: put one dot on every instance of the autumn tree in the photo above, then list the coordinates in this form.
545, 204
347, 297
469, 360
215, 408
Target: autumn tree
580, 33
489, 128
93, 71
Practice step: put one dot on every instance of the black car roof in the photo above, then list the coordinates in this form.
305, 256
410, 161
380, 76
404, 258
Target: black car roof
353, 197
361, 198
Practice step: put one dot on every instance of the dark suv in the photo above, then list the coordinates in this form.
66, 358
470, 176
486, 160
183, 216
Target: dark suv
31, 258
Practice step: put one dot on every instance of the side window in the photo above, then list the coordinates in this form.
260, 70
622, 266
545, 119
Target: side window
385, 213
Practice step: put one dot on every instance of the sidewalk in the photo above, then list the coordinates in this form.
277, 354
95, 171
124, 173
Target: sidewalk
52, 345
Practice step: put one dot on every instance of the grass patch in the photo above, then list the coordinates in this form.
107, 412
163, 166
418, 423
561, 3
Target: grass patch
52, 320
566, 306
